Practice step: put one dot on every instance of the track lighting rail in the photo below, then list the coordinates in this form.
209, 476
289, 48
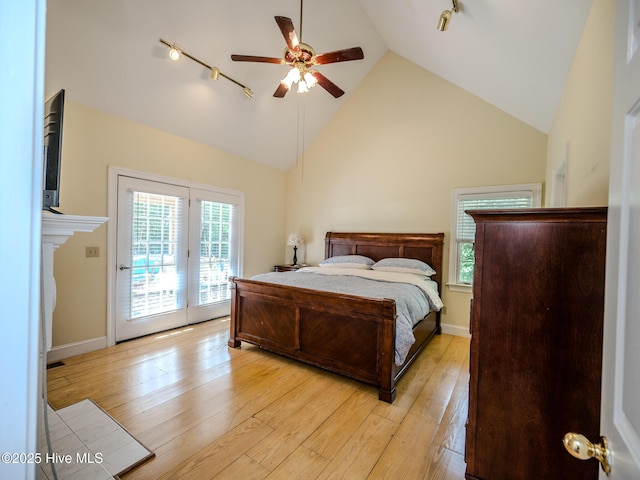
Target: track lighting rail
215, 71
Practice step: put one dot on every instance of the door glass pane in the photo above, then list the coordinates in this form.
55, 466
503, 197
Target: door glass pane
155, 239
216, 233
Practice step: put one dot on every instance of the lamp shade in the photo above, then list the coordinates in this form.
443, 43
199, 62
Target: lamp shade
295, 240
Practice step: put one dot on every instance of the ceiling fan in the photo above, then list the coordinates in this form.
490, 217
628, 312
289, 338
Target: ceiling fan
302, 58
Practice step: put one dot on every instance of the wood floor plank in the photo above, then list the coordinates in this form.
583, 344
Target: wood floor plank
436, 393
245, 468
451, 431
216, 456
302, 464
208, 411
444, 464
295, 417
412, 383
361, 452
406, 455
331, 436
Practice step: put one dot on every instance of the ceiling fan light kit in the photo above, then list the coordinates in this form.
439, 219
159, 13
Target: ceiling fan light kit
445, 17
176, 53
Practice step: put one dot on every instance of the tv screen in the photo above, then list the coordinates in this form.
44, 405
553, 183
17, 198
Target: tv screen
53, 116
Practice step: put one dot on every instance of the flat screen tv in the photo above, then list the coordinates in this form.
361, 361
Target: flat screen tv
53, 116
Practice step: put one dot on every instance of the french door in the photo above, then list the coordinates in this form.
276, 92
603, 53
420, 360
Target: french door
176, 247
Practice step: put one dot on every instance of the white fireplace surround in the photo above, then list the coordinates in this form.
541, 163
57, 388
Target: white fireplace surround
57, 229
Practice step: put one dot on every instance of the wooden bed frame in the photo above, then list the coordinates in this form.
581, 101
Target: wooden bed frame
346, 334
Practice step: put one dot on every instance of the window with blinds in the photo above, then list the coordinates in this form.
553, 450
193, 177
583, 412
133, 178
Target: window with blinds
155, 240
464, 229
215, 220
217, 252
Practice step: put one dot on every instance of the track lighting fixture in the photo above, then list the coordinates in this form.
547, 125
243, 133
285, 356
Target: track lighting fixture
175, 53
445, 17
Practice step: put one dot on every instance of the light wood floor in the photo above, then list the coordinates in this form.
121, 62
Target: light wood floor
210, 412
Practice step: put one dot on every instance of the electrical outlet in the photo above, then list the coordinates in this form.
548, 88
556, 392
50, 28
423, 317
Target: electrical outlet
92, 252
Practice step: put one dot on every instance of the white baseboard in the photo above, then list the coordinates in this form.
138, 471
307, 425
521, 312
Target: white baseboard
71, 349
456, 330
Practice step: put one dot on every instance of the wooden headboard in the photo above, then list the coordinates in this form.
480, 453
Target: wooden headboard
427, 247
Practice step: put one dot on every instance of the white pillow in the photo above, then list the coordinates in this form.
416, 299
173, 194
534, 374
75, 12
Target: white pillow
348, 261
404, 265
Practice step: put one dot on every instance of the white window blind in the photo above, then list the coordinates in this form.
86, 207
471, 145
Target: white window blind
461, 260
215, 246
218, 251
156, 239
466, 227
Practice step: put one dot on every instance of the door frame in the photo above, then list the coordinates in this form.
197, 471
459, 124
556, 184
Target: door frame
112, 207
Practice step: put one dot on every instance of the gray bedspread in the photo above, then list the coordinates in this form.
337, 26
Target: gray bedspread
412, 303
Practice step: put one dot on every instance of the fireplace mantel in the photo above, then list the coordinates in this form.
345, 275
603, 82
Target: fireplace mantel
57, 229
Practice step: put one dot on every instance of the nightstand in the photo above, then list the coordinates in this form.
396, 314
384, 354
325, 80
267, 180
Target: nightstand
287, 268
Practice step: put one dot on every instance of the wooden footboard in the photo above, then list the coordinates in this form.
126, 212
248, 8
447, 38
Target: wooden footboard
350, 335
346, 334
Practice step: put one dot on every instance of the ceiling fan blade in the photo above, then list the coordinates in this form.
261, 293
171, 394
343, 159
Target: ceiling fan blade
328, 85
289, 33
345, 55
254, 58
281, 91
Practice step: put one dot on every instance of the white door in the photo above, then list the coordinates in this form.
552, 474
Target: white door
214, 220
620, 421
151, 257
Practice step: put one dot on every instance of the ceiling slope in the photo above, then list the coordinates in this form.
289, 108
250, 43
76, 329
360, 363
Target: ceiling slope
107, 55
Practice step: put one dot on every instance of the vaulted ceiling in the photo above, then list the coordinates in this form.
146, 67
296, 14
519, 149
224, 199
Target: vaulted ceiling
107, 55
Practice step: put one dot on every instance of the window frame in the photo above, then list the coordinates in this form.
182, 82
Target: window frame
487, 192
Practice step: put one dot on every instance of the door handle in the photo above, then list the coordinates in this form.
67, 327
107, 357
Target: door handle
580, 447
122, 267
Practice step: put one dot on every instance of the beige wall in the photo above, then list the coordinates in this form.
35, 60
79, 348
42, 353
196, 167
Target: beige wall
581, 130
391, 156
92, 141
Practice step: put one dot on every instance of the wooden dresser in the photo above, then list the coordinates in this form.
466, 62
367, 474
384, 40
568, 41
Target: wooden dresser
536, 342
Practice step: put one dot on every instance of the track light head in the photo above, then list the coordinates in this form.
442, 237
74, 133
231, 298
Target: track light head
174, 54
215, 73
443, 23
445, 17
247, 91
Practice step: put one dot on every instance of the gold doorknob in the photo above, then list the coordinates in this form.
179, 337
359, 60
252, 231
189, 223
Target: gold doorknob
580, 447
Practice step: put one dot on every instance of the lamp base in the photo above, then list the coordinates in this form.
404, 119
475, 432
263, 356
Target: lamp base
295, 255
